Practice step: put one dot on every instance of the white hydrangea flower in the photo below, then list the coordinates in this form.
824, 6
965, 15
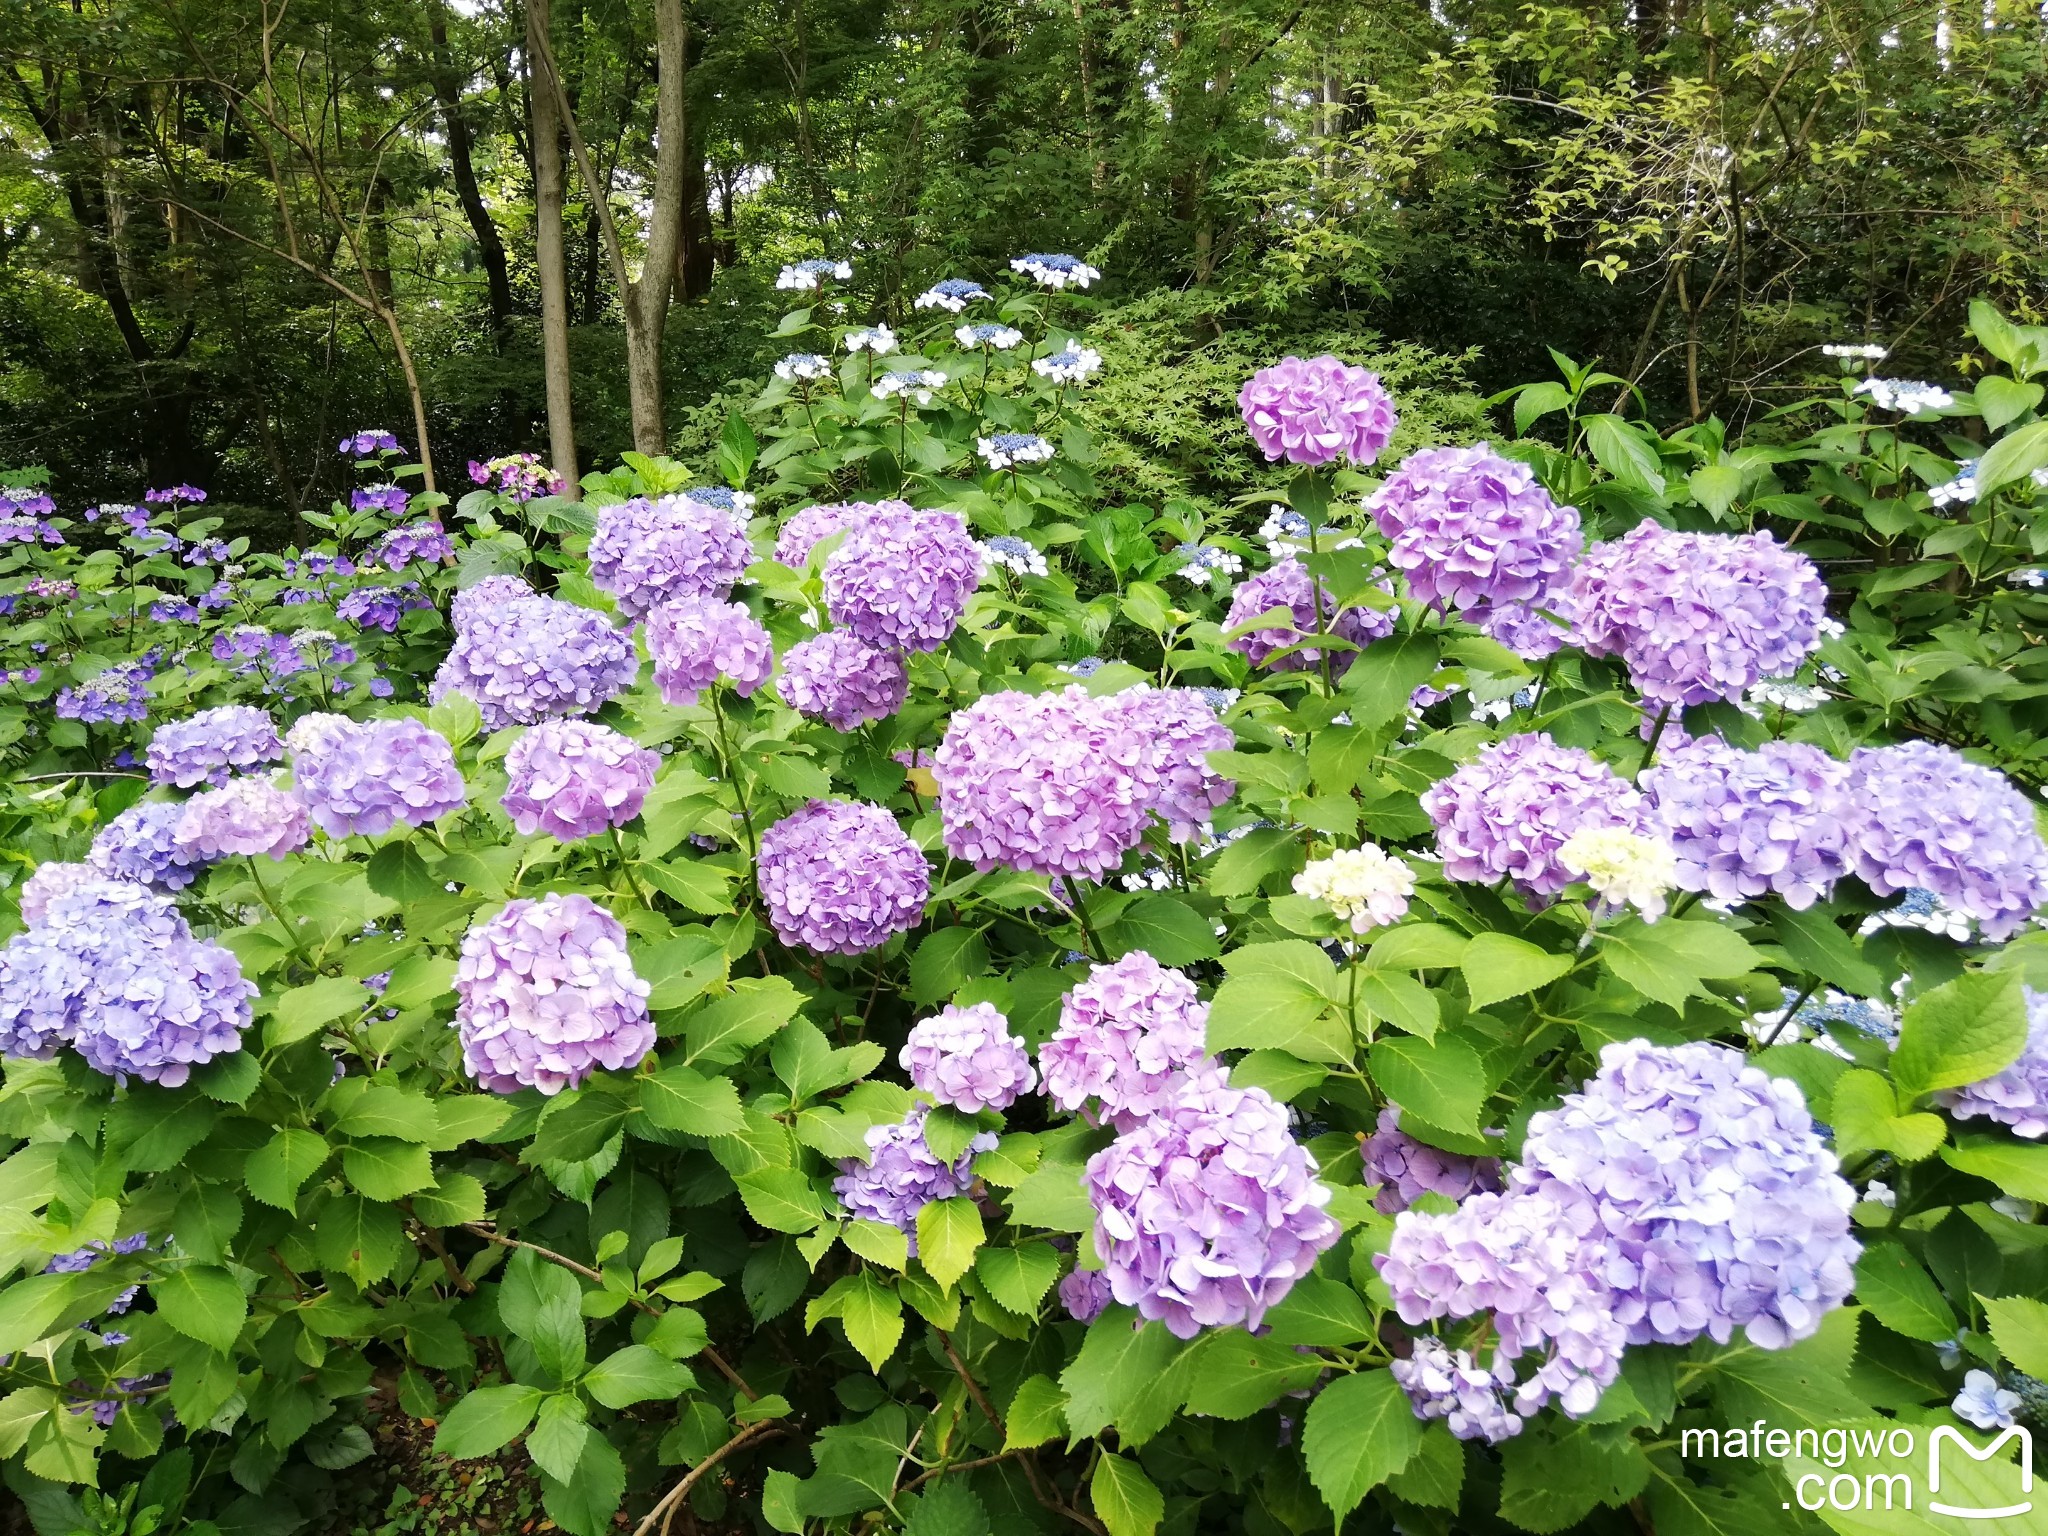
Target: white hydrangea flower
804, 365
1908, 397
1366, 887
878, 339
1623, 867
1073, 364
805, 275
1868, 351
999, 338
918, 383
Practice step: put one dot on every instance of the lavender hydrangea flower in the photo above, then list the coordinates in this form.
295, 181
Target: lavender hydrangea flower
967, 1057
901, 583
427, 543
380, 607
547, 995
1698, 616
847, 684
1180, 729
157, 1010
523, 660
2018, 1095
117, 696
646, 553
1287, 584
1054, 270
806, 529
208, 747
141, 844
469, 604
1779, 819
520, 476
1929, 818
1448, 1384
1315, 410
694, 641
1533, 631
1407, 1169
1125, 1036
368, 778
50, 882
1474, 530
841, 878
901, 1175
246, 816
392, 499
1207, 1211
368, 441
1509, 812
1085, 1294
574, 779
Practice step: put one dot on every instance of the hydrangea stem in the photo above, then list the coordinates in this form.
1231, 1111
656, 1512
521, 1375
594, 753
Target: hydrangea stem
1079, 889
291, 934
730, 764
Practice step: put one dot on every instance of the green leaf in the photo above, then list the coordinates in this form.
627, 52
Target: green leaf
418, 980
948, 1233
2012, 458
878, 1243
872, 1314
2003, 401
485, 1421
385, 1169
396, 871
1360, 1431
560, 1432
781, 1199
575, 1126
1817, 945
360, 1236
1385, 675
306, 1010
1621, 450
692, 884
205, 1221
1017, 1279
680, 970
202, 1303
635, 1374
2015, 1167
1132, 1378
1668, 961
1237, 1374
1320, 1312
1498, 966
1441, 1081
1416, 947
277, 1170
1715, 487
726, 1028
1804, 1384
1054, 1197
946, 961
2019, 1326
948, 1508
1865, 1116
1970, 1029
1248, 863
454, 1199
1125, 1499
1902, 1295
1036, 1414
803, 1058
379, 1109
1554, 1480
680, 1098
1166, 928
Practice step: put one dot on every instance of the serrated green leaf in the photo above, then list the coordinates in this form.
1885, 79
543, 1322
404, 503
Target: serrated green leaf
635, 1374
683, 1099
1236, 1374
1018, 1278
1901, 1294
1498, 966
2019, 1326
277, 1170
781, 1199
384, 1169
306, 1010
203, 1303
1359, 1432
726, 1028
1970, 1029
948, 1234
485, 1421
1125, 1499
1442, 1080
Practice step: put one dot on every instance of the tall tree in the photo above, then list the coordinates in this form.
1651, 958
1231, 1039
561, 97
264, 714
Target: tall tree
545, 99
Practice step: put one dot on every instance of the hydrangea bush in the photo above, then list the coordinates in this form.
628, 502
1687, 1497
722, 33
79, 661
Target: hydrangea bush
845, 988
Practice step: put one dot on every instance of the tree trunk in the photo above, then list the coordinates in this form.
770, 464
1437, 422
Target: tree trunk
695, 254
550, 256
489, 245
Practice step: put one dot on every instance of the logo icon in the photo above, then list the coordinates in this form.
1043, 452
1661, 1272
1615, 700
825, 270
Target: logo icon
1971, 1512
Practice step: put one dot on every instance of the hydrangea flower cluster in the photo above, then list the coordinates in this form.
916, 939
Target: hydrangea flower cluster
1310, 411
1055, 271
209, 746
1509, 812
393, 500
802, 276
117, 696
1085, 1293
368, 442
1909, 397
2017, 1096
527, 658
1779, 819
364, 779
917, 383
811, 526
1288, 584
427, 543
573, 779
1065, 784
1532, 631
1072, 364
997, 338
51, 881
1624, 868
646, 553
1366, 887
470, 603
694, 641
380, 607
1006, 450
1204, 563
1929, 818
878, 339
901, 1175
141, 845
248, 815
1451, 1385
952, 294
1207, 1211
967, 1057
836, 678
547, 995
1698, 616
1125, 1036
1406, 1169
1474, 531
520, 476
805, 366
901, 581
841, 878
1005, 553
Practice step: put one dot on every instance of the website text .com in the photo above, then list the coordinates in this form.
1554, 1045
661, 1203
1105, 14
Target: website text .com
1910, 1465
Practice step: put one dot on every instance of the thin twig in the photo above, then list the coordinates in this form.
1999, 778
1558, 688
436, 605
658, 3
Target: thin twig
676, 1495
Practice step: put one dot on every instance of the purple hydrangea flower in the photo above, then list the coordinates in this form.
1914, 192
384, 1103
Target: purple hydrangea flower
1085, 1293
246, 816
1181, 728
2018, 1095
847, 684
1125, 1036
1287, 584
472, 601
841, 878
368, 441
157, 1010
901, 583
1532, 631
806, 529
208, 747
1929, 818
426, 542
392, 499
1473, 530
967, 1057
647, 553
368, 778
141, 844
694, 641
117, 696
521, 476
380, 607
525, 659
548, 995
50, 882
1207, 1211
1509, 811
575, 778
1315, 410
1451, 1385
1407, 1169
901, 1176
1698, 616
1746, 823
